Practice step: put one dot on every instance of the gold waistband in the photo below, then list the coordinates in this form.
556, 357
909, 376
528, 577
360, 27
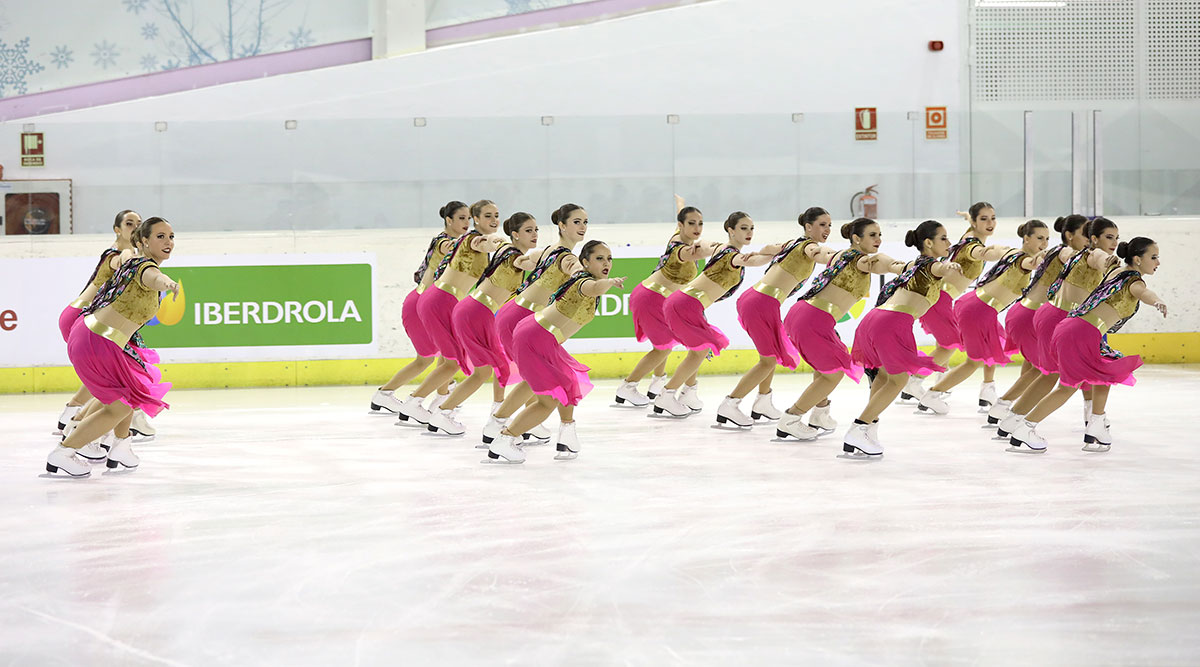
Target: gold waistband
662, 289
1030, 303
994, 301
80, 303
100, 329
899, 308
525, 302
1096, 321
458, 292
777, 293
485, 299
1063, 303
827, 306
559, 335
420, 289
953, 291
697, 294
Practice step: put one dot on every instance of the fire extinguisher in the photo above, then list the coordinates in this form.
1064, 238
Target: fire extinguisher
864, 204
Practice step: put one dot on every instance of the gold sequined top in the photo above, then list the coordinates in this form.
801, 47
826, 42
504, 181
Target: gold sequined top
1083, 276
577, 306
103, 272
1014, 278
507, 276
553, 277
1052, 270
1123, 301
468, 260
853, 280
925, 283
723, 272
138, 303
798, 264
971, 268
678, 271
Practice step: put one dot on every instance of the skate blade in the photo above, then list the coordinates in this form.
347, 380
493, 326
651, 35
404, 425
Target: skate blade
824, 432
483, 445
790, 440
628, 405
566, 456
500, 462
666, 415
859, 457
412, 423
1096, 448
731, 427
988, 427
760, 418
144, 438
534, 442
1016, 449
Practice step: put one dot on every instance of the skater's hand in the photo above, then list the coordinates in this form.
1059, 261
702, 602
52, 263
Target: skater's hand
1161, 307
965, 215
173, 288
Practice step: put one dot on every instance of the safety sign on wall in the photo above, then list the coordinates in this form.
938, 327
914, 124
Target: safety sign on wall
32, 150
865, 128
935, 123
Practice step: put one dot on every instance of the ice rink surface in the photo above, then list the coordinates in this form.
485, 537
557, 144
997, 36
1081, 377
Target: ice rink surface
288, 527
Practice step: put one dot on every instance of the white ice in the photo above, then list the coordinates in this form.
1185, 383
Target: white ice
288, 527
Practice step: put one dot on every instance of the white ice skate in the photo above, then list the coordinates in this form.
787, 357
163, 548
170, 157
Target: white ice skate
140, 427
913, 390
70, 426
505, 450
65, 459
668, 406
933, 401
568, 443
1096, 437
1087, 412
858, 442
436, 403
657, 384
538, 435
794, 426
999, 410
873, 433
384, 402
1026, 436
492, 430
763, 408
1007, 425
628, 395
445, 422
410, 413
122, 454
690, 398
987, 396
495, 407
96, 450
729, 411
65, 416
821, 419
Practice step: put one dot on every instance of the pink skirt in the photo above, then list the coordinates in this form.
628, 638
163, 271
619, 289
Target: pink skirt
421, 341
1077, 348
939, 322
1045, 320
649, 323
812, 331
979, 329
884, 339
547, 367
1019, 334
507, 318
112, 375
434, 308
66, 320
475, 330
759, 316
685, 316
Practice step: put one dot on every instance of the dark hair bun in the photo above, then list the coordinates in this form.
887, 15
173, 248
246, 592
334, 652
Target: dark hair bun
910, 238
848, 230
1058, 224
1123, 250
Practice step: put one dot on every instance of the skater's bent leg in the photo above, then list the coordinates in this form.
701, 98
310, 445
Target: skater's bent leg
408, 373
889, 388
764, 387
1028, 375
531, 416
817, 393
82, 396
468, 387
515, 400
497, 390
1099, 398
121, 430
1053, 401
440, 376
653, 360
566, 413
1036, 391
989, 373
941, 355
956, 375
758, 374
686, 370
103, 420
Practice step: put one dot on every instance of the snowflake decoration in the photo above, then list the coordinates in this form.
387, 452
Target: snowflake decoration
62, 57
172, 64
134, 6
15, 65
300, 38
105, 55
149, 62
194, 59
149, 31
247, 50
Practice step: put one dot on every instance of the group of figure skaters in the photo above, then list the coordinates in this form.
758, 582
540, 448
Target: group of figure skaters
491, 304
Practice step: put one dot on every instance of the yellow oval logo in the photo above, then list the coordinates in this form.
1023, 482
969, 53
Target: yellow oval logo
170, 310
855, 311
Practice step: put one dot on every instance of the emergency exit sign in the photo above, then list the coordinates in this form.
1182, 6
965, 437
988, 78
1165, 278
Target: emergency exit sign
33, 150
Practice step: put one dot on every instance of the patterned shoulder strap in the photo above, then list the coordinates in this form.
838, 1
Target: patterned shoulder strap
672, 246
958, 247
721, 254
901, 280
563, 288
835, 267
1062, 275
429, 256
104, 257
1041, 269
548, 261
465, 238
116, 285
1108, 287
1000, 267
499, 258
786, 250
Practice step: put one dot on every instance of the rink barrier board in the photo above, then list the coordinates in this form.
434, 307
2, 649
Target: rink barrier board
1157, 348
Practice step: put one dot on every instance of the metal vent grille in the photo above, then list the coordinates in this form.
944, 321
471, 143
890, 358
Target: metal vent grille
1172, 49
1077, 50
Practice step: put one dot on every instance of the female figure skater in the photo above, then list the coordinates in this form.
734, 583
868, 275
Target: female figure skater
555, 265
555, 376
455, 220
459, 271
113, 372
978, 313
110, 260
1082, 272
474, 320
884, 339
810, 325
1080, 353
971, 254
758, 310
677, 267
1019, 334
685, 311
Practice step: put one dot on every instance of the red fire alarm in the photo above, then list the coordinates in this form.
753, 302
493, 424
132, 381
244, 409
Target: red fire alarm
936, 45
